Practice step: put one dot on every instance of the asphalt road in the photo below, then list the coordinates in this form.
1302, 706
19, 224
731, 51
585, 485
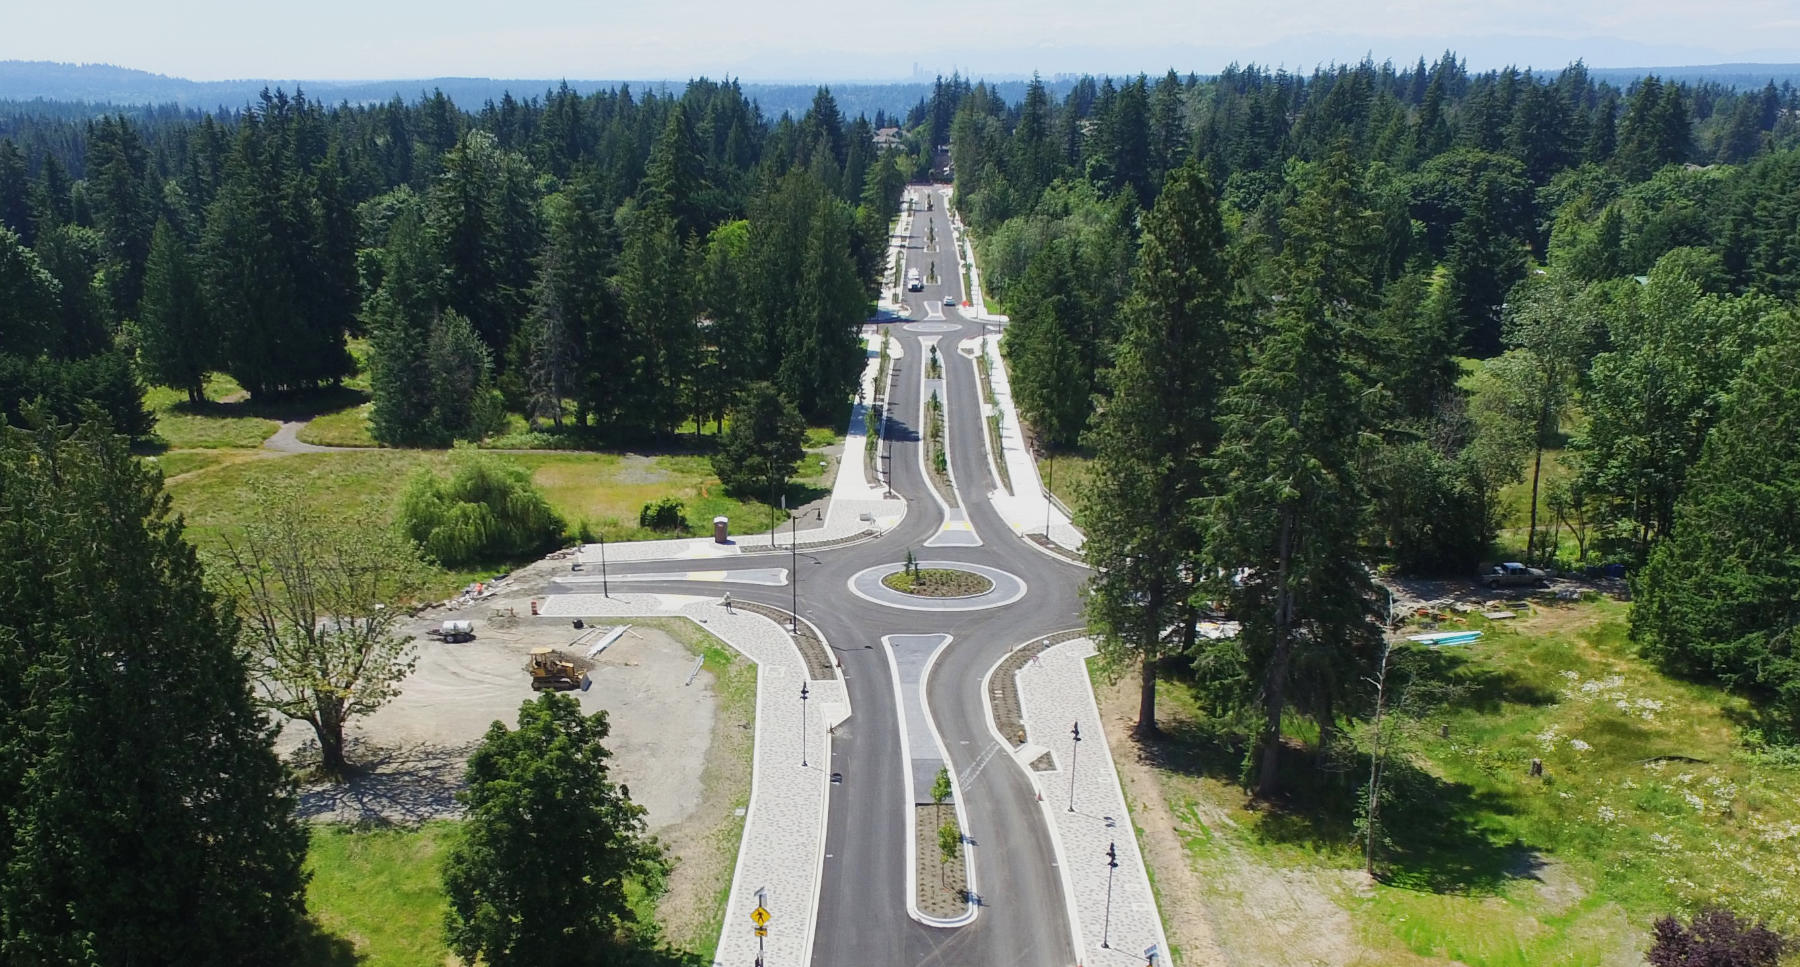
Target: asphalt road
862, 917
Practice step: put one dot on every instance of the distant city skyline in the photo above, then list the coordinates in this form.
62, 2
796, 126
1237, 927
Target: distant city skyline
813, 40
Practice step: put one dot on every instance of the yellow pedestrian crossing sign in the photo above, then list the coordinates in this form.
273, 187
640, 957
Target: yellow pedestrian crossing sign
760, 917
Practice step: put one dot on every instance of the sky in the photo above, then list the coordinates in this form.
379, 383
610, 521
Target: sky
814, 40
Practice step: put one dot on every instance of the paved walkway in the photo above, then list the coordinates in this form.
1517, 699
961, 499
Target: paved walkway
1025, 510
1056, 693
784, 825
857, 504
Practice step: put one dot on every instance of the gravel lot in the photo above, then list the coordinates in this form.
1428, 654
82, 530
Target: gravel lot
414, 749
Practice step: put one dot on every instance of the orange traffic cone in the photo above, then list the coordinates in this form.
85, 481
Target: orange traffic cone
534, 606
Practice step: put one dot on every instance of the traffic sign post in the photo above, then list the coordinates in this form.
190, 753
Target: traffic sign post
760, 917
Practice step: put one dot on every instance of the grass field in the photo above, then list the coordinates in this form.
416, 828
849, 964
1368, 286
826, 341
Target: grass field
380, 889
1655, 799
1065, 474
341, 428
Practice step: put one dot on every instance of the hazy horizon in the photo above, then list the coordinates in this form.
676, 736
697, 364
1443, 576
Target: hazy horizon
810, 41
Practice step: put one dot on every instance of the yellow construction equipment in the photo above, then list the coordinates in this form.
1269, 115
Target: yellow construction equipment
551, 671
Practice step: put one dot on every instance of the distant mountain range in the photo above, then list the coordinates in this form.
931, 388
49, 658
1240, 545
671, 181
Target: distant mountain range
104, 84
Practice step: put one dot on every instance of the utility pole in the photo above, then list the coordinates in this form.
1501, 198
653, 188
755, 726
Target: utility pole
605, 590
1375, 753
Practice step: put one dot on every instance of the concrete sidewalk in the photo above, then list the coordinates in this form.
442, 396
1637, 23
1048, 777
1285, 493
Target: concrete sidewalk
1026, 510
1055, 693
856, 504
783, 845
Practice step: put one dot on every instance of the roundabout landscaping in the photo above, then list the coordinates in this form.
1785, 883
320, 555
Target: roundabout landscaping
937, 586
939, 582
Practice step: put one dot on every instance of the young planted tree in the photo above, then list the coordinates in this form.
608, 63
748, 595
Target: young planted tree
147, 818
551, 843
1160, 425
949, 839
320, 598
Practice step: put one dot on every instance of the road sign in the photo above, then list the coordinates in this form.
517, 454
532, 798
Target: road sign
760, 917
762, 931
1150, 953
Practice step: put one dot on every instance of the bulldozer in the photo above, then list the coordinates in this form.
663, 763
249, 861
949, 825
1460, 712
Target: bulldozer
551, 671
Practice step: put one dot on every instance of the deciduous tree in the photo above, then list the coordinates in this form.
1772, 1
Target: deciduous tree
550, 848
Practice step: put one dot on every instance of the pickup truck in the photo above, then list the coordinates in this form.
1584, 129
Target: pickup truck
1513, 575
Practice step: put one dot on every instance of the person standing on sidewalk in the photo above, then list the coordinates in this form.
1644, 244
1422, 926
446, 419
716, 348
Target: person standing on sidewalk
727, 603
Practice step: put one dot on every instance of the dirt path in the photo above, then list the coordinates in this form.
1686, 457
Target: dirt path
1225, 906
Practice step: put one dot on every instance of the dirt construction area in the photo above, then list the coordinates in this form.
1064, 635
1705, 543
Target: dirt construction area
412, 752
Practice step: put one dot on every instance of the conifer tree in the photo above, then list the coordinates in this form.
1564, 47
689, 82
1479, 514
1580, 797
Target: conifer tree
174, 333
147, 817
1283, 532
1159, 426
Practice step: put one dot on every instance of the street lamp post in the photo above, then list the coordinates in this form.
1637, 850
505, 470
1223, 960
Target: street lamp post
1074, 730
1048, 487
605, 590
1112, 863
802, 725
794, 569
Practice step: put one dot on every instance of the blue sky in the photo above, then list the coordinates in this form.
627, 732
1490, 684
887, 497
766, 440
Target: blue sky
807, 40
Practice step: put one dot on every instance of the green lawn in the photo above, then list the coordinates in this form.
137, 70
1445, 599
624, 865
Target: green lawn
380, 889
1065, 474
342, 428
211, 425
1654, 800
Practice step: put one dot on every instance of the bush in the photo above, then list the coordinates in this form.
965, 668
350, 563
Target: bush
1716, 938
485, 511
663, 515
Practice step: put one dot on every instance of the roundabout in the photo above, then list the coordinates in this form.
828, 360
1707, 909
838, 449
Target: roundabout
932, 327
1002, 587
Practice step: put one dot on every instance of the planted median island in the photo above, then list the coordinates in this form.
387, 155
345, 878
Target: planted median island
936, 582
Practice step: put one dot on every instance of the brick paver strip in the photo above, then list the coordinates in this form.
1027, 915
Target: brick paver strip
1056, 692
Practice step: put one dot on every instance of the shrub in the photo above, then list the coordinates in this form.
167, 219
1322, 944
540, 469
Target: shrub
663, 515
485, 511
1715, 938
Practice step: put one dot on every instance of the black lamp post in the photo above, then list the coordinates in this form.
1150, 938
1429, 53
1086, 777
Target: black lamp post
605, 589
1112, 863
802, 725
794, 570
1074, 730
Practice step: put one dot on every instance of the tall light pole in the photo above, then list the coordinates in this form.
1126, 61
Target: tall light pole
605, 591
1074, 730
1112, 863
794, 571
802, 725
1051, 485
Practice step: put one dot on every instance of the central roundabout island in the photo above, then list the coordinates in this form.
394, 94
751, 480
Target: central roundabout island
937, 586
938, 582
